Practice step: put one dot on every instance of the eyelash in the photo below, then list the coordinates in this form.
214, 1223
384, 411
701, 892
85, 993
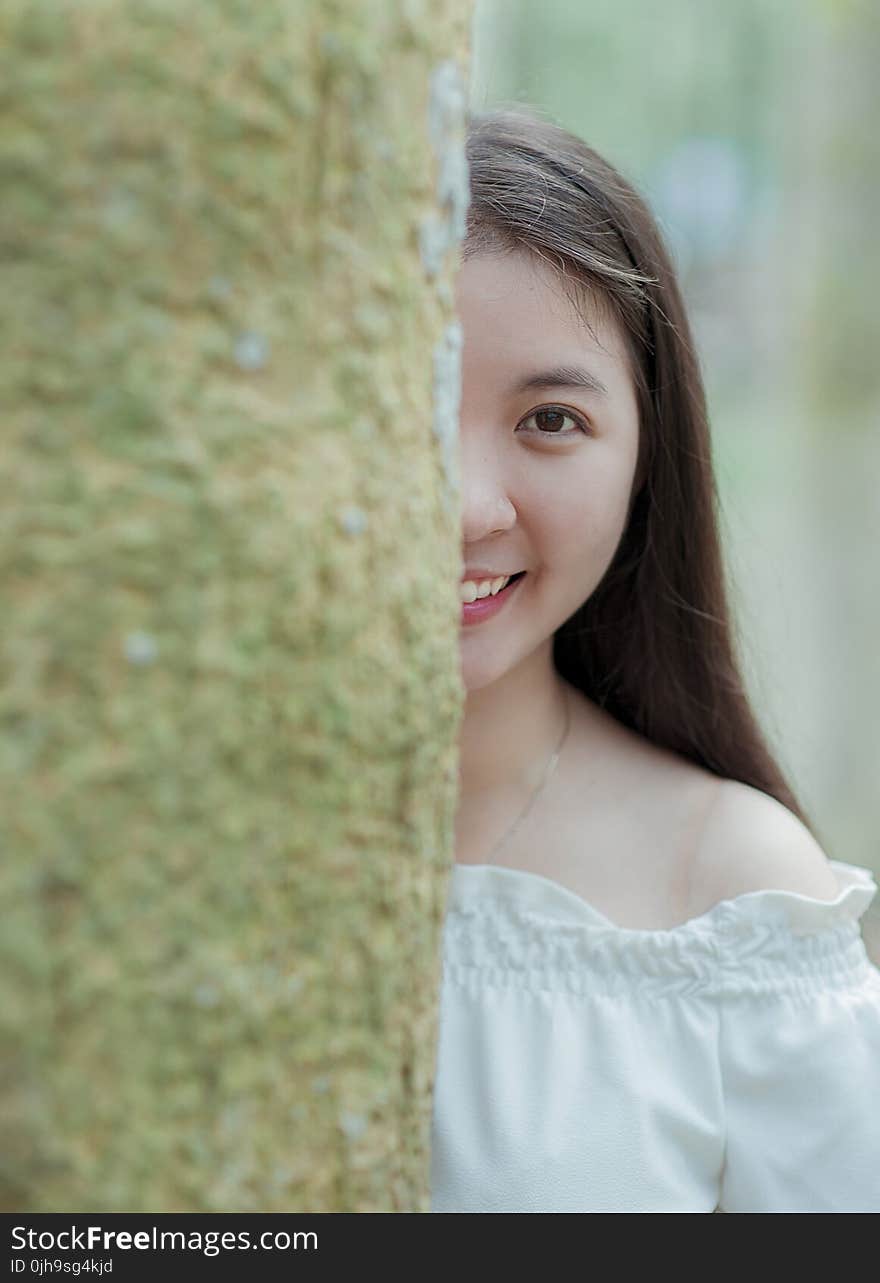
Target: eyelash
566, 414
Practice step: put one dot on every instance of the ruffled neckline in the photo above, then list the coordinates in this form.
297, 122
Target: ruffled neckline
533, 893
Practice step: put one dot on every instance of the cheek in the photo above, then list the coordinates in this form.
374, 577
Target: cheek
585, 518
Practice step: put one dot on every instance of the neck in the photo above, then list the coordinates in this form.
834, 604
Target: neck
509, 730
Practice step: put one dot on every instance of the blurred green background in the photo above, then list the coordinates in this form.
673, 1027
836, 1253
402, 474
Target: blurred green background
752, 131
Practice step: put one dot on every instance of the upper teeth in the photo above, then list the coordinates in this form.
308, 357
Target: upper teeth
471, 590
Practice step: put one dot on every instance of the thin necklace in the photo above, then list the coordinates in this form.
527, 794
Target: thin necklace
548, 771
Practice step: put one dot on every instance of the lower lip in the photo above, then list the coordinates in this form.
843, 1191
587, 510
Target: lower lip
474, 612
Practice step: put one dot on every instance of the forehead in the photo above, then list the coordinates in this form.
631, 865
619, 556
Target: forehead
515, 309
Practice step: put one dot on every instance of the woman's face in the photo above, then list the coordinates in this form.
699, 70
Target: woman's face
546, 470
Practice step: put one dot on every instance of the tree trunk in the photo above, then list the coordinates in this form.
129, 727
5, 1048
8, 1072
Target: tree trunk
230, 552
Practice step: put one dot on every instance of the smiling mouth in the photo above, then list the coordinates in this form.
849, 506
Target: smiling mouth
485, 607
490, 596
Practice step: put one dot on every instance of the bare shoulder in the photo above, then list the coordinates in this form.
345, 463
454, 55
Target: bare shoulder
751, 842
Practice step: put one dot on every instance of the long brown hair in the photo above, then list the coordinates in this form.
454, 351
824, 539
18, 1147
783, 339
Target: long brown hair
654, 643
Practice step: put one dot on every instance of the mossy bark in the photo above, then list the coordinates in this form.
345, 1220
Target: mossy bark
229, 547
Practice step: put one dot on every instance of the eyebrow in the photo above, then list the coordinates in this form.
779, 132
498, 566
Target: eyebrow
560, 376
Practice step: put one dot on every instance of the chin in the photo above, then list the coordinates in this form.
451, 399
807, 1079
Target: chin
480, 671
475, 681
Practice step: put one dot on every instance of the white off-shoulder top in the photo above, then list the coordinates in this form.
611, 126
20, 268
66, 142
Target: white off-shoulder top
729, 1063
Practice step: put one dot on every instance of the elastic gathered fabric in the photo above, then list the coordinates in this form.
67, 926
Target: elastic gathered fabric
729, 1063
508, 927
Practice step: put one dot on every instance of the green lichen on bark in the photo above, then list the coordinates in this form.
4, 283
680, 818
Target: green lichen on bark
230, 692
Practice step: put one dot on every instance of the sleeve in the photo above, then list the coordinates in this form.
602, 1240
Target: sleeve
800, 1067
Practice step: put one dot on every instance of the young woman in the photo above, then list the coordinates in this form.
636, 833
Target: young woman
656, 996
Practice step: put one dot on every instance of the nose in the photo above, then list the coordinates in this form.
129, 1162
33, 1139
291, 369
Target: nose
486, 505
